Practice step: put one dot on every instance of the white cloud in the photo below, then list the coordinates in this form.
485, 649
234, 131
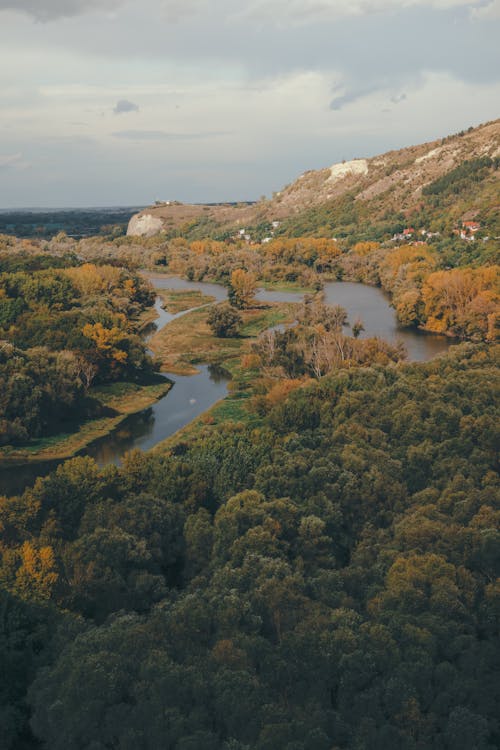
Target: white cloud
163, 135
261, 84
490, 11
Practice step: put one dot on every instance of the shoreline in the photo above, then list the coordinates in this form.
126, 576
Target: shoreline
71, 444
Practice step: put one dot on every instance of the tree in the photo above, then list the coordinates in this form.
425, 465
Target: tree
357, 327
224, 321
242, 288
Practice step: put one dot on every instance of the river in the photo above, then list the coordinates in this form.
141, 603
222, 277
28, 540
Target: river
191, 395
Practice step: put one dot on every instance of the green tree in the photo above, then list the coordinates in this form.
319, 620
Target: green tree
224, 321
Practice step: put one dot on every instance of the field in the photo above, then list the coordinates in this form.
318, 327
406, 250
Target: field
176, 301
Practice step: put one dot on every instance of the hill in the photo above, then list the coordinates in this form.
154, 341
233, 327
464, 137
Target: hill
435, 184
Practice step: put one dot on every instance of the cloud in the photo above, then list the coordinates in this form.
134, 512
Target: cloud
48, 10
489, 11
279, 12
124, 105
9, 161
162, 135
357, 93
339, 102
304, 11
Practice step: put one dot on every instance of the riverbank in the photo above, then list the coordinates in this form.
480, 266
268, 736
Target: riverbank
120, 399
228, 354
189, 341
200, 365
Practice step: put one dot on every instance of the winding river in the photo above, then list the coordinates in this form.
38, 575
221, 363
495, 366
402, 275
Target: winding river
192, 395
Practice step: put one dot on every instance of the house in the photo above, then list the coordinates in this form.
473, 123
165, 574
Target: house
471, 226
469, 229
465, 236
408, 231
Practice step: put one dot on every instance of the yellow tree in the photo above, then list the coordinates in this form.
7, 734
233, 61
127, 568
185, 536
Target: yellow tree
242, 289
37, 575
109, 343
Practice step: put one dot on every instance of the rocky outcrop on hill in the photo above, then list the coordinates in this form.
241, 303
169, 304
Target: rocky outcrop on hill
399, 176
389, 182
144, 225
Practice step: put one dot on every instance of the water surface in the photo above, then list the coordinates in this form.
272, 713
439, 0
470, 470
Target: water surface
370, 305
190, 396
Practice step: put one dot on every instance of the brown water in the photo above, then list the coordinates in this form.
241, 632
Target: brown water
191, 395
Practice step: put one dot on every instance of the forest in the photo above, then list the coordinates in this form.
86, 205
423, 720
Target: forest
75, 222
64, 326
327, 580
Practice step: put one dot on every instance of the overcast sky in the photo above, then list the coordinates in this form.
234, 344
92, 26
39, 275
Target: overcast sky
114, 102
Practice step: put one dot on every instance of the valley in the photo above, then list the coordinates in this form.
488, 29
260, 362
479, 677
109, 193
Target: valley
249, 475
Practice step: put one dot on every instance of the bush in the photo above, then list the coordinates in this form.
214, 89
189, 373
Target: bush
224, 321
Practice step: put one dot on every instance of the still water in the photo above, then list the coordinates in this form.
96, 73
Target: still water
370, 305
191, 395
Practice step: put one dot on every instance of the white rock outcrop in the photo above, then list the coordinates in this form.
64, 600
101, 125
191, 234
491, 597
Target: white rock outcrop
144, 225
356, 166
429, 155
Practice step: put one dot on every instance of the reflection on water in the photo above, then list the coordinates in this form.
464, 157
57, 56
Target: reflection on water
218, 290
191, 395
372, 307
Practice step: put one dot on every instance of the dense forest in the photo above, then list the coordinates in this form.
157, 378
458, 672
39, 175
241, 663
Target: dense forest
325, 581
65, 325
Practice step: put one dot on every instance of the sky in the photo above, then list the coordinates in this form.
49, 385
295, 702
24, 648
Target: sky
116, 102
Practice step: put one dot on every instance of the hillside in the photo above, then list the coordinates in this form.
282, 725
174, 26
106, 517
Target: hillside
362, 196
181, 218
399, 176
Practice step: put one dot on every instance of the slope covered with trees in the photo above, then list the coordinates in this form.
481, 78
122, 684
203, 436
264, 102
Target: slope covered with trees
328, 580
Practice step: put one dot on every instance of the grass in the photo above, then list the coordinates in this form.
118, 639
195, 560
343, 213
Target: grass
286, 286
121, 399
180, 345
147, 317
188, 341
176, 301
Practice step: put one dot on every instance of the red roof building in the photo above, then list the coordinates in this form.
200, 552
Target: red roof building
471, 226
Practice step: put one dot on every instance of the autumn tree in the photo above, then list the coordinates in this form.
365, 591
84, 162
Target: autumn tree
242, 288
